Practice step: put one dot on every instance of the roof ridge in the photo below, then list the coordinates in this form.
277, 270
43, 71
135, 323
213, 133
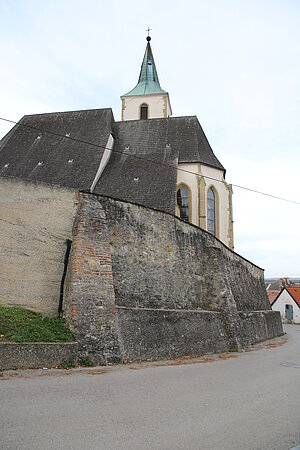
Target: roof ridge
157, 118
66, 112
287, 288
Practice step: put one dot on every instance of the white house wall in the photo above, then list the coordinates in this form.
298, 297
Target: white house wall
286, 299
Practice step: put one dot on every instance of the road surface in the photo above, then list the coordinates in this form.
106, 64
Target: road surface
239, 401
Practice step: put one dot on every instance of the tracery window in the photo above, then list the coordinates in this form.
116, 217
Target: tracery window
211, 211
144, 111
183, 202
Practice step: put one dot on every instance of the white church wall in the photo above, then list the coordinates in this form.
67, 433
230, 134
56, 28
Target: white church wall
187, 178
286, 299
212, 178
36, 220
158, 106
215, 178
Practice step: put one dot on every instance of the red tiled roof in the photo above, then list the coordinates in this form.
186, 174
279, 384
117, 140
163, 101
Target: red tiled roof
295, 293
272, 294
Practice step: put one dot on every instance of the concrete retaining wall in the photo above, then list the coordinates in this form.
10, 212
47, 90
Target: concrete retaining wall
36, 220
36, 355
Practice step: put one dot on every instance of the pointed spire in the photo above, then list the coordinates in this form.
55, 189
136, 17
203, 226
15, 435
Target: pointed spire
148, 80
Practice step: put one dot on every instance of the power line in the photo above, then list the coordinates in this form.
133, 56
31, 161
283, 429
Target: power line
150, 161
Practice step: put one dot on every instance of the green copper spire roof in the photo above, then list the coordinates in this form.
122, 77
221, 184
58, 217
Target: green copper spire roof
148, 80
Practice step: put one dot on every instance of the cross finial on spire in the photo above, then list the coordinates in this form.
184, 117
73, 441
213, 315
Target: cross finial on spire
148, 37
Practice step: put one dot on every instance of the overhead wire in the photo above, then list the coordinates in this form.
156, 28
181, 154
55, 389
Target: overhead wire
180, 169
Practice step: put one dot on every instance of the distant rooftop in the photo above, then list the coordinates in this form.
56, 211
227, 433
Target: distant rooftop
295, 293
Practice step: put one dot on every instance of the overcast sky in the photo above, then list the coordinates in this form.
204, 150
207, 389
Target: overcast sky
235, 64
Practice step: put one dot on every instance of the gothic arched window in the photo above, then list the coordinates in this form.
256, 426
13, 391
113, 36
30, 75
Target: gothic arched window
211, 211
183, 202
144, 111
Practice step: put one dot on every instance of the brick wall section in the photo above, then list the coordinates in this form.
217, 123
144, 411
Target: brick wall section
89, 294
159, 271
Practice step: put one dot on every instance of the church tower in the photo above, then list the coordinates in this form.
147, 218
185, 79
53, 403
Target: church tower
147, 100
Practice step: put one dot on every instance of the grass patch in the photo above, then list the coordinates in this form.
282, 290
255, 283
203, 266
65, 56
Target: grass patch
22, 325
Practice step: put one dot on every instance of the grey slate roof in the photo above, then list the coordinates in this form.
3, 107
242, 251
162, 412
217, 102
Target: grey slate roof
142, 167
139, 169
162, 142
194, 146
30, 154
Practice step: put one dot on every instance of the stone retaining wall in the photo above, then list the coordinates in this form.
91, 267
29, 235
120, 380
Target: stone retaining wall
36, 355
154, 334
143, 284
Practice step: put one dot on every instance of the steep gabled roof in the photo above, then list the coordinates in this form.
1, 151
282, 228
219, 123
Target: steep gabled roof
272, 295
66, 148
142, 168
192, 143
294, 292
145, 152
39, 148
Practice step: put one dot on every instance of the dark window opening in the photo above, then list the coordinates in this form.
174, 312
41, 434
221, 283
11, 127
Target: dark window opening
144, 111
183, 203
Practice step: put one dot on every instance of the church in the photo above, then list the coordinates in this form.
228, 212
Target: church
125, 229
149, 157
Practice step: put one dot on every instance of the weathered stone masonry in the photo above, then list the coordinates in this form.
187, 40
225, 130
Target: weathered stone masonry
143, 284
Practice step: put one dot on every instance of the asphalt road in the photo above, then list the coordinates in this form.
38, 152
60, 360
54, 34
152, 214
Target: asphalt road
239, 401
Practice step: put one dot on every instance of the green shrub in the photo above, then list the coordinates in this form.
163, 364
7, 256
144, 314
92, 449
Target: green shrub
85, 361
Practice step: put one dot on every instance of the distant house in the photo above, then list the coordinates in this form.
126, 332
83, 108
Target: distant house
287, 303
275, 285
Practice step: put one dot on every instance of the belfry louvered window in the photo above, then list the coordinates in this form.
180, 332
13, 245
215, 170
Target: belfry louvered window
144, 111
